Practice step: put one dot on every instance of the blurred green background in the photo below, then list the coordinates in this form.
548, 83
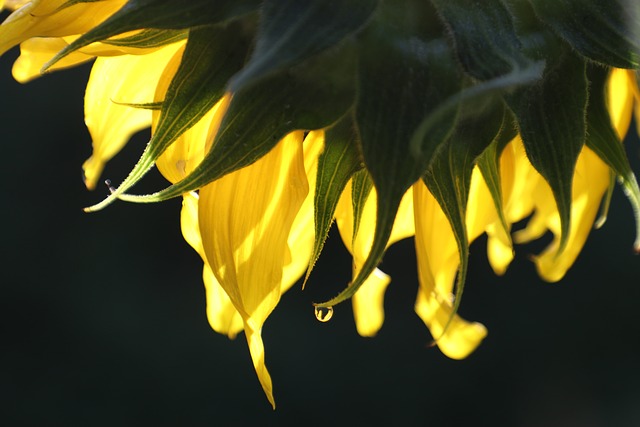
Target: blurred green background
104, 314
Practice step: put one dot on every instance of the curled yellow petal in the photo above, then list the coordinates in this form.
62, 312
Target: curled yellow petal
35, 52
368, 302
461, 338
181, 157
301, 237
47, 18
620, 99
591, 180
500, 247
438, 260
245, 220
222, 315
117, 80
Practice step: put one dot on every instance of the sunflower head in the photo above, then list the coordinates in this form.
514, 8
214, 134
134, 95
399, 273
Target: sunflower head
273, 119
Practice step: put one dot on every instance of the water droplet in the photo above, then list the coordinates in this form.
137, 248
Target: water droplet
323, 314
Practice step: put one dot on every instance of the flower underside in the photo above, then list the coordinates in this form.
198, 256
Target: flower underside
440, 120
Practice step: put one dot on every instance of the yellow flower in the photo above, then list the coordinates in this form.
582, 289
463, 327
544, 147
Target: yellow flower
273, 120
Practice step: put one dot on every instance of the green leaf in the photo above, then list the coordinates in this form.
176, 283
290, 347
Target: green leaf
449, 177
361, 185
489, 164
149, 39
144, 106
405, 71
484, 37
212, 55
313, 95
604, 141
160, 14
606, 31
551, 119
338, 162
290, 31
503, 85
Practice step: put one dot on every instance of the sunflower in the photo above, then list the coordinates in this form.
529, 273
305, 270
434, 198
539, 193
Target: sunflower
440, 120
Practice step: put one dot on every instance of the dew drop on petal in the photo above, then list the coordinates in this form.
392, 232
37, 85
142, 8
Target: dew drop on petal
323, 314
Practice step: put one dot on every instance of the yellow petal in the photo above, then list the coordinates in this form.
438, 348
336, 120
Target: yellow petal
222, 315
499, 246
34, 53
438, 260
522, 187
620, 98
123, 79
37, 51
591, 180
461, 338
481, 211
44, 18
368, 302
245, 219
183, 155
301, 237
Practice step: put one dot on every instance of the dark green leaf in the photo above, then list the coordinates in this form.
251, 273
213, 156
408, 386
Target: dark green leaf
149, 39
312, 95
449, 177
405, 72
551, 118
484, 36
489, 164
212, 55
291, 31
606, 31
338, 162
361, 186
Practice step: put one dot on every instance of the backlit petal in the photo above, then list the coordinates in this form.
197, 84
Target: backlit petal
43, 18
116, 80
222, 315
620, 99
438, 260
591, 180
368, 302
301, 237
35, 52
245, 219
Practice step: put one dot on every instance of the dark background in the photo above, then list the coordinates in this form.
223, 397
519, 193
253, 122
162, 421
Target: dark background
103, 315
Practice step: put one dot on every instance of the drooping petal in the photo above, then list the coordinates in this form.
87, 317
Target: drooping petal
245, 219
35, 52
591, 180
500, 250
620, 99
481, 211
117, 80
301, 237
368, 302
222, 315
181, 158
438, 260
519, 182
44, 18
